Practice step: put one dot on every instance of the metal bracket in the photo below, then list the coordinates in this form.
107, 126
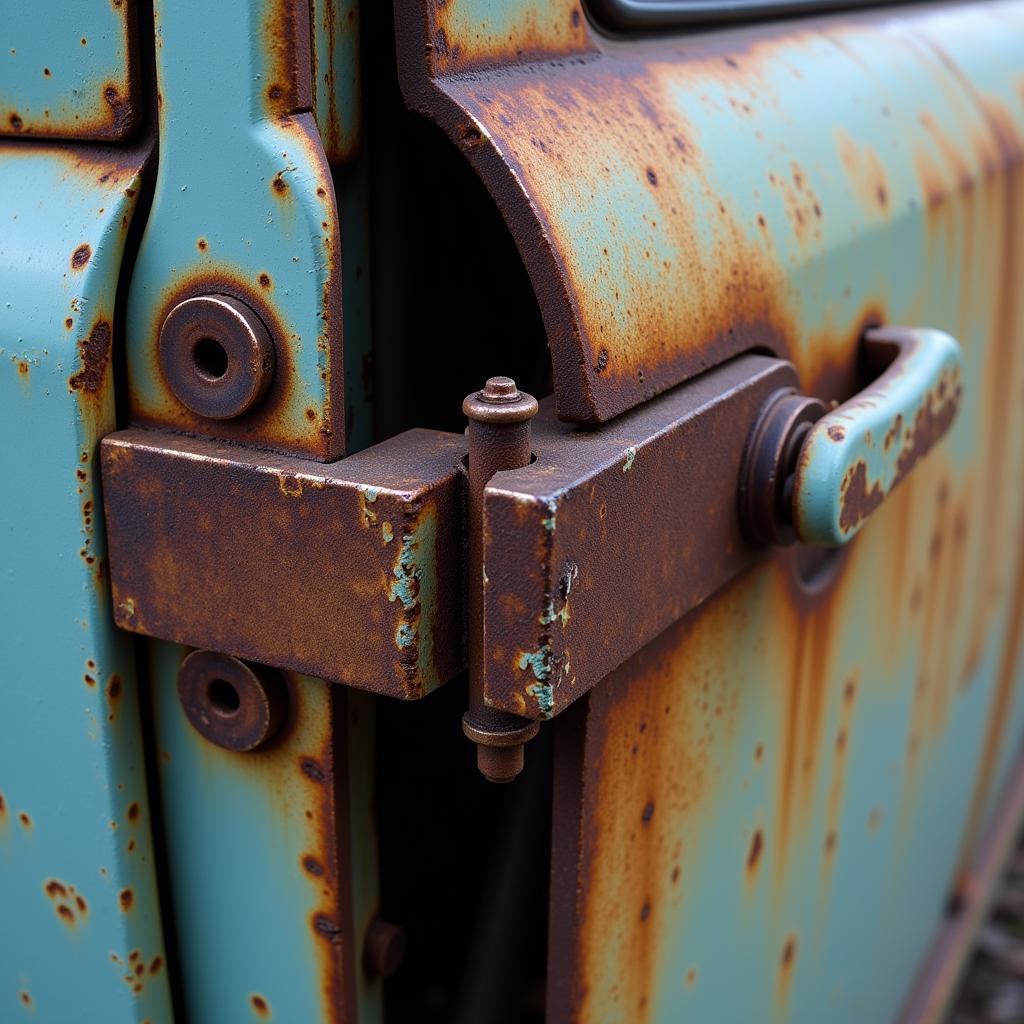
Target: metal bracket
349, 571
353, 571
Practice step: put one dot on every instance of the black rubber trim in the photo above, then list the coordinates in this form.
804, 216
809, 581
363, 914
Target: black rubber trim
633, 15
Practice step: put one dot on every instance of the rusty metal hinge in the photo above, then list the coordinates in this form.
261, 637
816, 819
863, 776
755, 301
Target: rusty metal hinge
362, 571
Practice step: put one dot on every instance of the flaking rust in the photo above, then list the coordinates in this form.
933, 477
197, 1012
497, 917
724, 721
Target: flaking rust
261, 547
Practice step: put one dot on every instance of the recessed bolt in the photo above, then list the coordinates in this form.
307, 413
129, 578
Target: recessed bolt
383, 948
233, 704
499, 438
216, 355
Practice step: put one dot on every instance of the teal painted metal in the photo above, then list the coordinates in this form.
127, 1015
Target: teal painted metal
258, 854
244, 205
856, 454
69, 69
82, 933
338, 109
276, 840
788, 786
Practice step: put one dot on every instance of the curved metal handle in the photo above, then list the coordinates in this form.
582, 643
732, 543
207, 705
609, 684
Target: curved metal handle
854, 456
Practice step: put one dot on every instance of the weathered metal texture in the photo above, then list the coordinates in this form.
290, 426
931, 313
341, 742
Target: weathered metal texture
243, 206
348, 571
500, 438
666, 194
787, 786
82, 935
564, 537
69, 69
337, 102
260, 869
338, 109
856, 454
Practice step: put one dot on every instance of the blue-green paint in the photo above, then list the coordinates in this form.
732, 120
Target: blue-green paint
630, 456
71, 756
57, 60
406, 574
550, 520
240, 828
544, 696
216, 211
864, 445
538, 662
405, 635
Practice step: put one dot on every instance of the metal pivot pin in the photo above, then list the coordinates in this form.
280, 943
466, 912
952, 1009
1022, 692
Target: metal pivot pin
499, 438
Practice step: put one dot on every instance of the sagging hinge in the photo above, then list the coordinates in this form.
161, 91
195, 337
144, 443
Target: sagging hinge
569, 549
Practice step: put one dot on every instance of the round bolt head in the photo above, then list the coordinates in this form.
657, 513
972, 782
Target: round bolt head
216, 356
500, 402
500, 389
234, 705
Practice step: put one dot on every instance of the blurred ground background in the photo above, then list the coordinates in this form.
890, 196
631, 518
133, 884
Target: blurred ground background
992, 991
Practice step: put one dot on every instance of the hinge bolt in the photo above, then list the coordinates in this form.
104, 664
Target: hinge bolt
499, 439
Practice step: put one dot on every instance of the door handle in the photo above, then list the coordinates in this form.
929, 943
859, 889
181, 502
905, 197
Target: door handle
815, 475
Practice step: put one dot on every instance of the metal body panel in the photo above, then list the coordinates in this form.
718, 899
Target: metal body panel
69, 69
259, 861
671, 204
762, 787
82, 933
243, 206
790, 785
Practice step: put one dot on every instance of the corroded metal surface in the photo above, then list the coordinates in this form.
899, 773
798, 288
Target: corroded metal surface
81, 936
264, 837
795, 778
69, 69
499, 438
351, 571
856, 454
669, 199
244, 206
336, 74
564, 537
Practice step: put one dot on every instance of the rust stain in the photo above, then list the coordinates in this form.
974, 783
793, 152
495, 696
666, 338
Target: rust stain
126, 899
81, 256
260, 1006
94, 353
858, 499
787, 968
754, 853
286, 40
68, 903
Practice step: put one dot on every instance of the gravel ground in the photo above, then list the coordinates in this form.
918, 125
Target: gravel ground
992, 991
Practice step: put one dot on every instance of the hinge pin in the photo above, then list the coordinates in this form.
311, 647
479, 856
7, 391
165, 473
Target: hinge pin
499, 439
